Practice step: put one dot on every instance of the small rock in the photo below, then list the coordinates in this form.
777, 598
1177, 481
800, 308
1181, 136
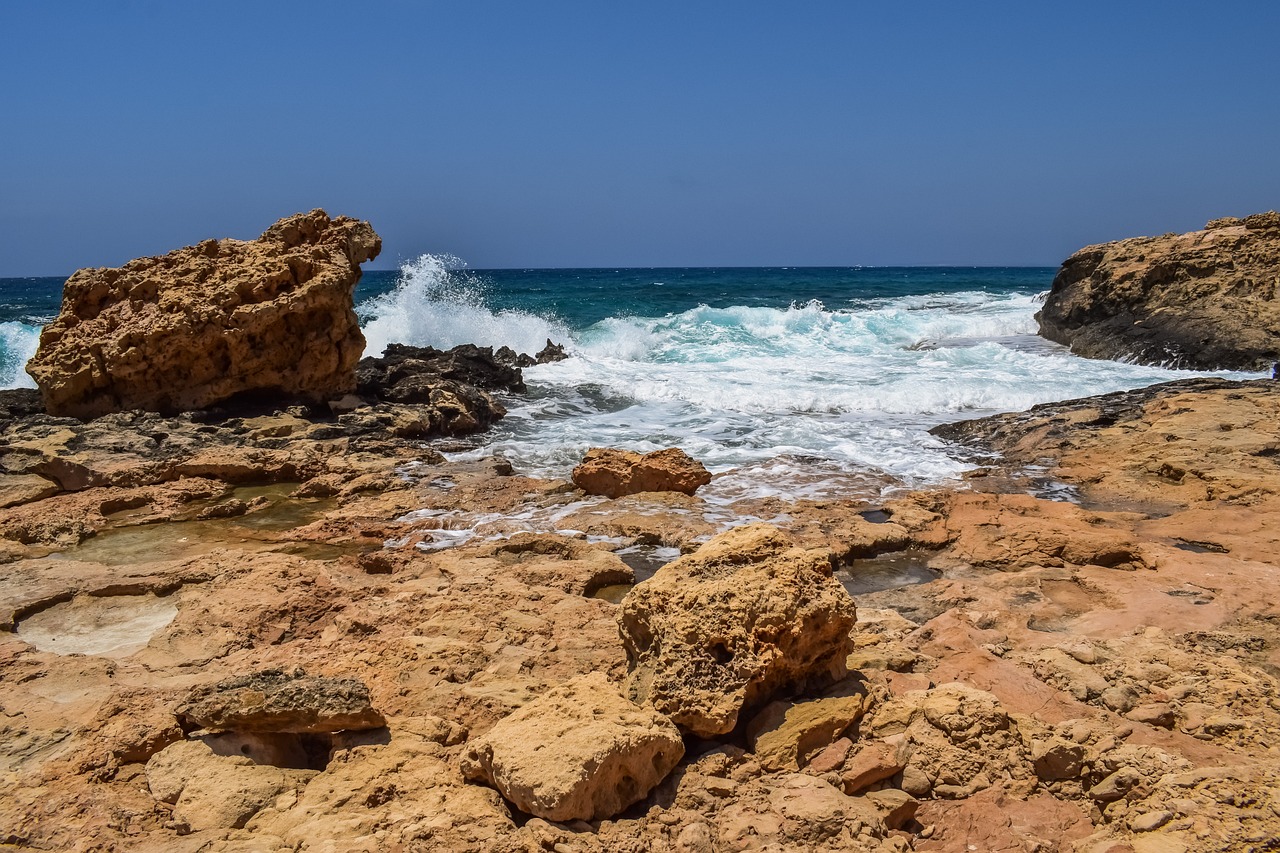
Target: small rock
1055, 759
897, 808
1148, 821
785, 734
1159, 714
614, 473
873, 763
830, 759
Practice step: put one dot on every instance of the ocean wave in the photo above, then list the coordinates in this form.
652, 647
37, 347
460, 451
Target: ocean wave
18, 343
437, 303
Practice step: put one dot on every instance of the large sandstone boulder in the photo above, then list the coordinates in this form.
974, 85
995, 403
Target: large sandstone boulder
722, 629
614, 473
1208, 299
274, 700
207, 322
581, 751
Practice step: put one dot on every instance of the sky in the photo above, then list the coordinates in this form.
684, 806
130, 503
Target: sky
571, 134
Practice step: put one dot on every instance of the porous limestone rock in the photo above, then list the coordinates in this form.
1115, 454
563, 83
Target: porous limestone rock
1205, 300
208, 322
582, 751
274, 700
614, 473
720, 630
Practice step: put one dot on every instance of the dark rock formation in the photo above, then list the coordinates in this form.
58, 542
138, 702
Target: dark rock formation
1208, 299
207, 322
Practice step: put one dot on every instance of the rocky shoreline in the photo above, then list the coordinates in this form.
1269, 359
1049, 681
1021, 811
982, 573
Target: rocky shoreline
299, 627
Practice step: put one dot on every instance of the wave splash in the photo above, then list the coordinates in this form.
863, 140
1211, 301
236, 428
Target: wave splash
436, 302
18, 343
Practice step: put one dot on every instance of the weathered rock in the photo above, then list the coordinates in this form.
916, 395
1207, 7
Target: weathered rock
210, 791
582, 751
784, 735
722, 629
614, 473
1207, 299
873, 762
208, 322
274, 700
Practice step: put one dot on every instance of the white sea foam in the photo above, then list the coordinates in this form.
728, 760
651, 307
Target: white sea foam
437, 303
803, 401
18, 343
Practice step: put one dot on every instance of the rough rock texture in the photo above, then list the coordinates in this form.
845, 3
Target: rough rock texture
614, 473
1208, 299
207, 322
1083, 675
274, 700
583, 751
722, 629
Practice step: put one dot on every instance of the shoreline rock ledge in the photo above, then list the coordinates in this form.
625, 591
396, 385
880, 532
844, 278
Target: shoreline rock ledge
210, 322
1205, 300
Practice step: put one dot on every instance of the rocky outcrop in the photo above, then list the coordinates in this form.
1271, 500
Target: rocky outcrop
722, 629
208, 322
614, 473
275, 700
582, 751
1208, 299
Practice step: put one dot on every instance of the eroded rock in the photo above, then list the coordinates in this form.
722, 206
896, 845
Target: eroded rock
721, 629
275, 700
1203, 300
208, 322
582, 751
614, 473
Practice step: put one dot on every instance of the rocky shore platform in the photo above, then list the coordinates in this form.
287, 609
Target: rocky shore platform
286, 621
1090, 663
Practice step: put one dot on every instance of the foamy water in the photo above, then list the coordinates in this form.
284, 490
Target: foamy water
802, 401
809, 399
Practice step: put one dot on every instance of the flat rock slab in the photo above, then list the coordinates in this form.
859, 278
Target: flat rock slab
274, 700
582, 751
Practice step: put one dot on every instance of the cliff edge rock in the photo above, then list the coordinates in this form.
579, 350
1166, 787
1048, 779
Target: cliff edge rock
207, 322
1207, 299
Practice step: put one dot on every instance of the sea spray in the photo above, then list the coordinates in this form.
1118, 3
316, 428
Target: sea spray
438, 303
18, 343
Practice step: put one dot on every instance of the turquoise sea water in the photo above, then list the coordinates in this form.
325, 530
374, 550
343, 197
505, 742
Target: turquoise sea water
795, 381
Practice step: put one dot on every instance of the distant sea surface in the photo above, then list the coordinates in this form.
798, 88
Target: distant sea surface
786, 381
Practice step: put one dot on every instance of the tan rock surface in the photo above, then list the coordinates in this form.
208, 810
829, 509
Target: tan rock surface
1203, 300
720, 630
614, 473
580, 752
207, 322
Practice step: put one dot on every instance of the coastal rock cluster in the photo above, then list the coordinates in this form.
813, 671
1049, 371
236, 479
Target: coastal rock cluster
205, 323
280, 626
1206, 300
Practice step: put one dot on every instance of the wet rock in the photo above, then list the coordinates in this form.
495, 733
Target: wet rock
274, 700
614, 473
209, 322
580, 752
1203, 300
720, 630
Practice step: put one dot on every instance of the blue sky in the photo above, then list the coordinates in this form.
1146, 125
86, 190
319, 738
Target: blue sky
643, 134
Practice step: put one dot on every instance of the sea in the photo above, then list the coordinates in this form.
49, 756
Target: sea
790, 382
